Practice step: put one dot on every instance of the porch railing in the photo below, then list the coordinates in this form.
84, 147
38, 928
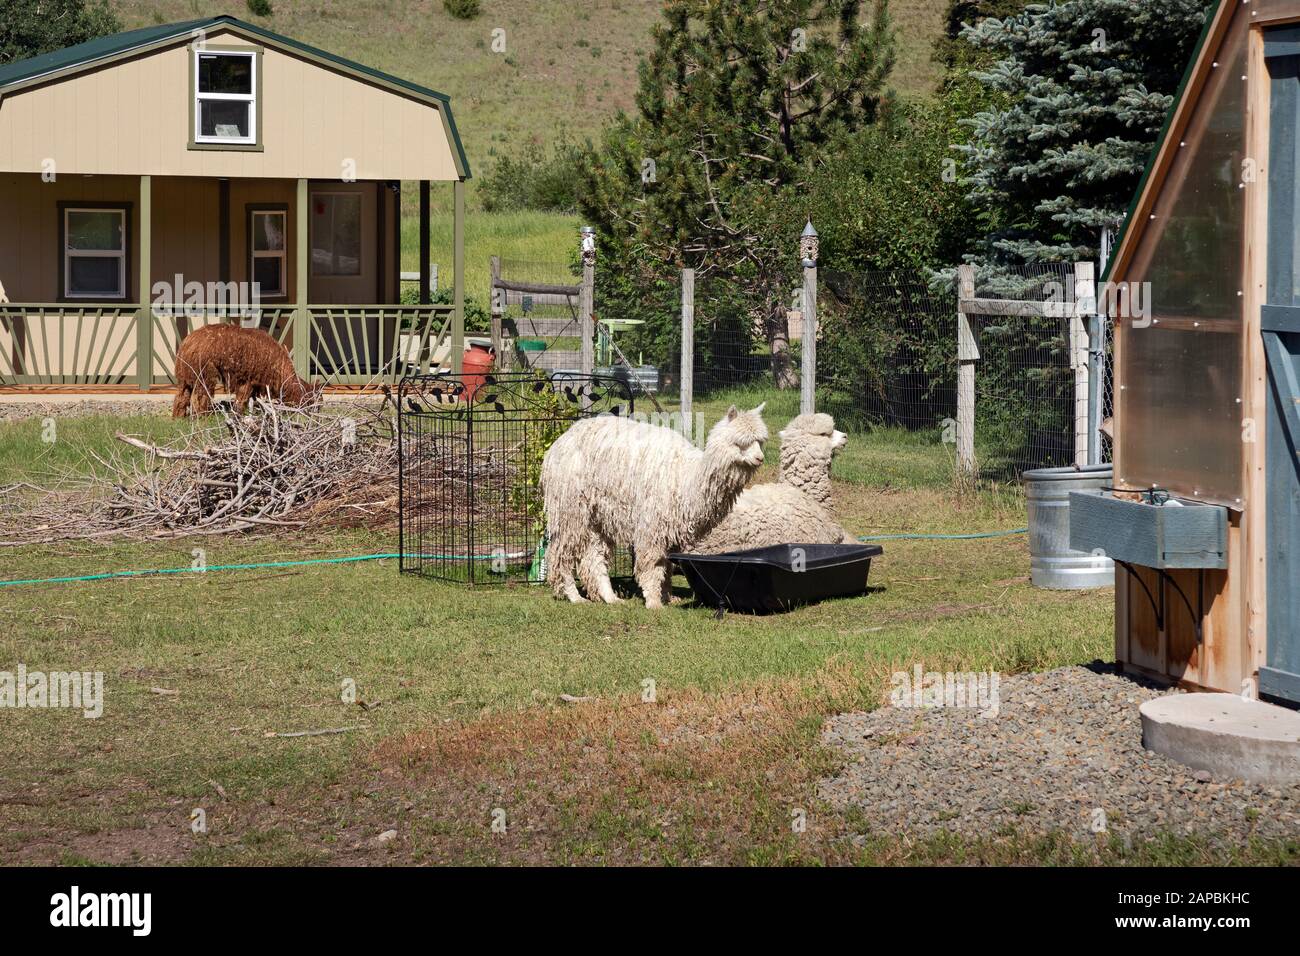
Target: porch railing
61, 344
50, 344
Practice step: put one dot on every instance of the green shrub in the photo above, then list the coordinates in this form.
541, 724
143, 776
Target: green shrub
260, 8
463, 9
477, 319
533, 178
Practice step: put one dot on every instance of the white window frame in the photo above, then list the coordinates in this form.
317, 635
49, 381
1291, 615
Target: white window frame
69, 253
249, 98
282, 254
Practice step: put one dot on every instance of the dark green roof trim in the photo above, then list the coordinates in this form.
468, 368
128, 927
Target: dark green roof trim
87, 55
1211, 14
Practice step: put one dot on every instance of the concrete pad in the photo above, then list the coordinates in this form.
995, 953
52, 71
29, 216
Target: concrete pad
1231, 738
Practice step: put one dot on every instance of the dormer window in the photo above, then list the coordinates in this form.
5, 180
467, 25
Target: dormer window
225, 98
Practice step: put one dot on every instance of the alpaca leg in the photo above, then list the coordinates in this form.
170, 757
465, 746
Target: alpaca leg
651, 575
560, 560
594, 569
667, 594
201, 401
242, 395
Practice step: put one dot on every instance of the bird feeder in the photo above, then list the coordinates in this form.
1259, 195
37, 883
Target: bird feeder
1204, 289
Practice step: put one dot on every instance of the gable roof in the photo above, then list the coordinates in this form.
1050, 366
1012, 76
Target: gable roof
102, 50
1217, 20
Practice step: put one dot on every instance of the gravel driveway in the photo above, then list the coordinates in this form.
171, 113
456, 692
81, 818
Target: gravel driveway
1065, 744
19, 411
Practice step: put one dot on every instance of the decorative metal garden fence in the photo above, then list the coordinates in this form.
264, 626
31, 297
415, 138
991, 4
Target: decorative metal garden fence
470, 452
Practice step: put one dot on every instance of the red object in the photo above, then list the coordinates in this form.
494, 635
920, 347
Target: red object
475, 366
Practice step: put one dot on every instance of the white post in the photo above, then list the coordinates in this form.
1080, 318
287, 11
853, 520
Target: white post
1085, 304
687, 389
967, 355
586, 305
808, 249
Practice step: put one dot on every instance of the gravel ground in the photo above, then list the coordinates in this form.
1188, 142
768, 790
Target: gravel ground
18, 411
1065, 743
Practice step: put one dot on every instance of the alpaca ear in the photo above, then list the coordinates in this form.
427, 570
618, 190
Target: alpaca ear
732, 413
759, 410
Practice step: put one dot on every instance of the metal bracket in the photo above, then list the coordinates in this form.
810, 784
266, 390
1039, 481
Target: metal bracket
1196, 614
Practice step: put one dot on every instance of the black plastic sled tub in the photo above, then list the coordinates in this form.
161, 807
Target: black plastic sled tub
778, 578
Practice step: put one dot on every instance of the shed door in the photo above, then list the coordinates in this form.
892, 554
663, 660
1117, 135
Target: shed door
1280, 328
344, 246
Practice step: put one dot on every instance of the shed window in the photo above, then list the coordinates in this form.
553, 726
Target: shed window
94, 253
225, 97
267, 250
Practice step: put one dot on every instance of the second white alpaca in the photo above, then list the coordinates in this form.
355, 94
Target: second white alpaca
611, 481
796, 508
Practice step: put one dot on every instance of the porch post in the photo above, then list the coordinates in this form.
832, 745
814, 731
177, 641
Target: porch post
302, 318
424, 242
458, 277
144, 317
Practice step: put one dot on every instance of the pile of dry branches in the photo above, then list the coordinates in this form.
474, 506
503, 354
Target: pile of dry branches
275, 467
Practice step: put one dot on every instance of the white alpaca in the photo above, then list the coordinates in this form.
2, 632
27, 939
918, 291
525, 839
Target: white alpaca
796, 508
611, 481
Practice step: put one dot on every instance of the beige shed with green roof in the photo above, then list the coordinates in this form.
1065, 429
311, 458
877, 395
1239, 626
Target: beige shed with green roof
161, 179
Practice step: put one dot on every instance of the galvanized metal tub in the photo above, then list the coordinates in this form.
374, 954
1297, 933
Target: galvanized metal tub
1052, 563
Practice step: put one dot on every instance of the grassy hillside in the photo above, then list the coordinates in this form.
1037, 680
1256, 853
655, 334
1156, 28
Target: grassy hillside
565, 64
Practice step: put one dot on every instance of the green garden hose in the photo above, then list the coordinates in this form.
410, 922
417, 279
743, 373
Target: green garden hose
944, 537
239, 567
534, 575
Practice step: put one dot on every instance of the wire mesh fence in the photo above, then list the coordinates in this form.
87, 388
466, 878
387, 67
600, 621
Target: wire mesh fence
470, 454
1027, 399
541, 314
887, 350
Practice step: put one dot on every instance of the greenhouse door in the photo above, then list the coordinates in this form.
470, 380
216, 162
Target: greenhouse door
1280, 328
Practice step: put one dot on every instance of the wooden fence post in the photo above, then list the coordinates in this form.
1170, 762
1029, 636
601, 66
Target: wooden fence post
497, 303
1085, 304
687, 389
808, 249
967, 355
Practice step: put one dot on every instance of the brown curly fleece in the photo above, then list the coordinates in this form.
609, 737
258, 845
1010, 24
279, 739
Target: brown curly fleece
243, 361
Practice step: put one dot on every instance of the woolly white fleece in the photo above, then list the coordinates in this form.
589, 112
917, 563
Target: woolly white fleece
611, 481
795, 509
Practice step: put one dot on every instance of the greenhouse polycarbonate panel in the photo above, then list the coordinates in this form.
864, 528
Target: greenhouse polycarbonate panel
1181, 370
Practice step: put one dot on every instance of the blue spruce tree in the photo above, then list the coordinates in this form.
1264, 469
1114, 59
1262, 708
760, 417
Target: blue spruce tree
1087, 85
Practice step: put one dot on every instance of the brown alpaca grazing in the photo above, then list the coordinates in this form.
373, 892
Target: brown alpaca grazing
244, 361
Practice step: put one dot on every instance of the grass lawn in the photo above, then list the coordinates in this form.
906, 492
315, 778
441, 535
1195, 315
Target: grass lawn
458, 718
530, 236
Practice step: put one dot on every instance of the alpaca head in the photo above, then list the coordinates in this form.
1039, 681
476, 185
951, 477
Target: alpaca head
736, 442
295, 391
808, 444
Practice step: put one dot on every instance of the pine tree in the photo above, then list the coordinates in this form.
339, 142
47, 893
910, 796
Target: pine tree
1088, 84
735, 102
